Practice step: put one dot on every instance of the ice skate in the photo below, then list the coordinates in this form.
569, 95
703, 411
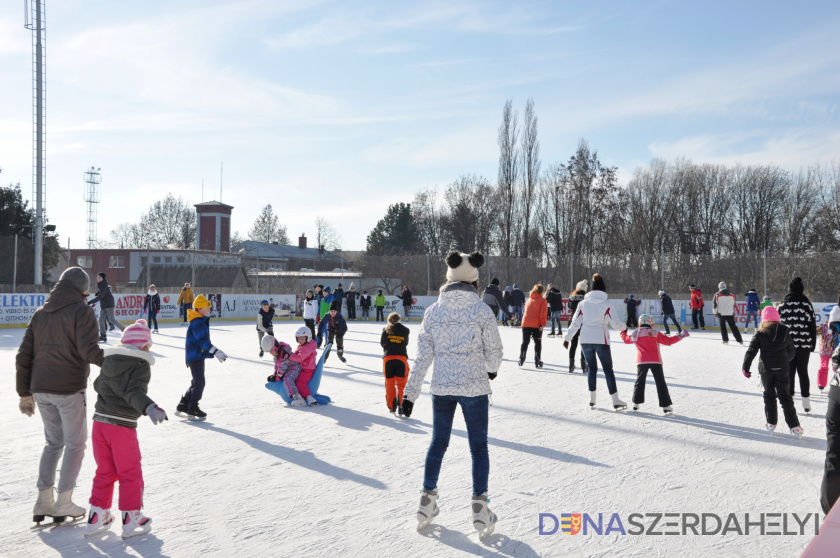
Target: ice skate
99, 521
135, 524
428, 509
196, 414
521, 359
103, 339
64, 508
311, 401
797, 431
44, 505
550, 335
261, 353
297, 401
806, 404
341, 358
571, 367
394, 405
618, 404
538, 363
484, 520
771, 428
156, 331
669, 410
636, 406
182, 409
592, 400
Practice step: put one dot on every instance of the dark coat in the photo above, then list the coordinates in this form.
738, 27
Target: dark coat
59, 345
555, 300
351, 297
632, 304
574, 299
122, 385
153, 301
338, 294
406, 297
103, 295
752, 302
332, 324
364, 301
797, 313
265, 318
776, 347
396, 342
493, 294
667, 304
517, 298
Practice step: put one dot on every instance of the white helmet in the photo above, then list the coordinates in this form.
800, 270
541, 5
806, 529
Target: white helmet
268, 342
304, 331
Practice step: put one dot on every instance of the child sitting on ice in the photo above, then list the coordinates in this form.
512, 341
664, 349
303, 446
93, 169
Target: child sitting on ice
647, 342
829, 333
294, 369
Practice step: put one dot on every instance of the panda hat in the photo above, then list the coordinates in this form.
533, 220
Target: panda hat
463, 267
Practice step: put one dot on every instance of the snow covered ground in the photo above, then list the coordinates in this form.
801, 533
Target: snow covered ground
259, 478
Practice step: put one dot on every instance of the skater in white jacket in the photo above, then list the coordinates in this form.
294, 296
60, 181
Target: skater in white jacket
460, 335
593, 317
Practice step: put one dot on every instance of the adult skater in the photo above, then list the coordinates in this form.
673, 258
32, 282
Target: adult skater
338, 296
830, 489
493, 298
668, 312
517, 302
533, 322
752, 310
460, 335
53, 365
106, 306
405, 296
632, 305
592, 318
185, 301
697, 305
724, 306
574, 300
554, 298
152, 304
351, 297
310, 311
797, 312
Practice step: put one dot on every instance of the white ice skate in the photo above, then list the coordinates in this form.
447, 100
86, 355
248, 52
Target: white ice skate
428, 509
99, 521
484, 520
592, 400
636, 406
311, 401
297, 401
797, 431
806, 404
44, 505
618, 404
771, 428
135, 524
64, 508
669, 410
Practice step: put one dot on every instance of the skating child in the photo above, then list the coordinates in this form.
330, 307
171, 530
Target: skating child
394, 342
379, 303
294, 369
648, 357
198, 349
364, 305
310, 311
829, 334
121, 399
765, 303
264, 323
775, 346
335, 327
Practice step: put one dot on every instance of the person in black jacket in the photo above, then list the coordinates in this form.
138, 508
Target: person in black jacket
106, 305
351, 296
394, 342
517, 301
797, 313
152, 304
555, 308
338, 296
668, 312
264, 323
774, 343
364, 305
335, 327
492, 296
405, 295
632, 304
574, 299
506, 299
830, 489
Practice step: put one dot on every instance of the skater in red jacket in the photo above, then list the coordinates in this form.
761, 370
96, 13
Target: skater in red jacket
648, 357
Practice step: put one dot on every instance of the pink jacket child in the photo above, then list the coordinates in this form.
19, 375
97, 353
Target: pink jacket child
294, 369
829, 333
648, 357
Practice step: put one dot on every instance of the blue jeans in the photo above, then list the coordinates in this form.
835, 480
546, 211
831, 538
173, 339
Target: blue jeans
517, 313
193, 395
754, 314
475, 410
605, 356
673, 318
555, 319
184, 307
152, 319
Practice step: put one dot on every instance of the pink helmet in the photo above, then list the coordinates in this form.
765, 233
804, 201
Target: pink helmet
770, 314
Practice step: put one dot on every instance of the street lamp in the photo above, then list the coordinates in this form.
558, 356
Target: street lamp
47, 228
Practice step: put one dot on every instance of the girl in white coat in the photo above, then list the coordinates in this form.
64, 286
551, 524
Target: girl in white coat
310, 311
593, 317
460, 335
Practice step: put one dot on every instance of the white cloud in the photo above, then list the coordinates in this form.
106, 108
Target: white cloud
464, 148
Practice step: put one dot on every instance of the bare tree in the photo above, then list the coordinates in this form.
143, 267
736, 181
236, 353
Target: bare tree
428, 219
326, 235
530, 151
508, 172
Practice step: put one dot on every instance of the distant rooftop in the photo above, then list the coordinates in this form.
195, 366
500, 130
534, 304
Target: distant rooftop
284, 252
212, 203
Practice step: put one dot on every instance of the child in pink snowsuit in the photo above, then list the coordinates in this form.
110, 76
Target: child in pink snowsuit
294, 369
829, 333
647, 342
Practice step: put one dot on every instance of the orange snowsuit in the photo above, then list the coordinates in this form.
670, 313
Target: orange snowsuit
395, 362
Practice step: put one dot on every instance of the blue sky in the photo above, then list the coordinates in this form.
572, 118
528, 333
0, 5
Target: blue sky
342, 108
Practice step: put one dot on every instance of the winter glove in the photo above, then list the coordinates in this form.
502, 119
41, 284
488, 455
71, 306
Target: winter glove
407, 407
270, 331
155, 413
565, 344
747, 373
683, 334
272, 378
492, 375
218, 353
27, 405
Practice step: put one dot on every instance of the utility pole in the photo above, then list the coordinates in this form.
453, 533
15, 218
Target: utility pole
36, 25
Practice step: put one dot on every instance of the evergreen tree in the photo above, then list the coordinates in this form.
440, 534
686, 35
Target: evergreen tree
267, 228
396, 233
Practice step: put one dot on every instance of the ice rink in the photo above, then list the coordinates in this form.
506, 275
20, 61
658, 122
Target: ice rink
259, 478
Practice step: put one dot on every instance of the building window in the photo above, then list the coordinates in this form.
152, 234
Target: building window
156, 259
116, 262
84, 261
143, 261
182, 259
167, 259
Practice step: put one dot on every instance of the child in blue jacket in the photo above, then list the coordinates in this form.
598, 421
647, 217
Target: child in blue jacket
198, 349
335, 327
752, 310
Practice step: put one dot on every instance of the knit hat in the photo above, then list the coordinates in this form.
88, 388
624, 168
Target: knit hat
834, 316
770, 314
722, 285
137, 334
582, 285
691, 286
796, 285
77, 278
201, 302
327, 289
463, 267
515, 285
766, 298
507, 289
102, 273
495, 281
334, 305
598, 283
263, 303
662, 292
632, 295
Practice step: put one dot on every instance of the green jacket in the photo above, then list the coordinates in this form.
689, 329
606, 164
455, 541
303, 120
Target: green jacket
379, 300
122, 385
765, 304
